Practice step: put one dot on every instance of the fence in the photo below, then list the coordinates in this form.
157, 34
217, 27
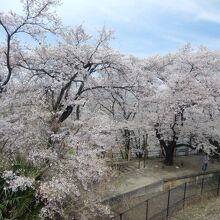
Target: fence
162, 206
119, 162
157, 153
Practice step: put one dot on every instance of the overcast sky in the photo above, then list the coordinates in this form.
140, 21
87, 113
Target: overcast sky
144, 27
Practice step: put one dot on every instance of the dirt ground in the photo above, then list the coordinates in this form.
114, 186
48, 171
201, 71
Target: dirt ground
207, 209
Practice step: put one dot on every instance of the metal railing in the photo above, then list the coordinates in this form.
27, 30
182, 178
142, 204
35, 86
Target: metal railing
162, 206
157, 153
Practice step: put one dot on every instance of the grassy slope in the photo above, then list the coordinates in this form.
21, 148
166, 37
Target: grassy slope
207, 209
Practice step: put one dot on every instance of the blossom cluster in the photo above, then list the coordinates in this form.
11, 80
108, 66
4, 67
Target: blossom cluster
15, 182
57, 189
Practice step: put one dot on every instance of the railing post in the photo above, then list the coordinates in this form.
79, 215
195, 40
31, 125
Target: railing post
168, 203
144, 158
121, 216
146, 209
184, 195
129, 154
218, 185
202, 183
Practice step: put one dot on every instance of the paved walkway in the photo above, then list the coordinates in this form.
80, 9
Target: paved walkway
155, 171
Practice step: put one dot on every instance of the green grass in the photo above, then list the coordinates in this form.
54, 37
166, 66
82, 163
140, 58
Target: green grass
20, 205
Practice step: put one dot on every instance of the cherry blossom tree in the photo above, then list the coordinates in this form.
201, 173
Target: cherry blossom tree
52, 80
26, 109
69, 102
181, 108
34, 22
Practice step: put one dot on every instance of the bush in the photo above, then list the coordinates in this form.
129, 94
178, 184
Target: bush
18, 191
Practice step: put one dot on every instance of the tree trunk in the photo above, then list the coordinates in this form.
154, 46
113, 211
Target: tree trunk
127, 142
77, 112
169, 152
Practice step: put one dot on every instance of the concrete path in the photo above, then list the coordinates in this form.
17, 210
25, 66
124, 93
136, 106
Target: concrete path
154, 172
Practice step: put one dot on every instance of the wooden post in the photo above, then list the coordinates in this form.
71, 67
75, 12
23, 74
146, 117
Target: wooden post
145, 148
129, 154
144, 158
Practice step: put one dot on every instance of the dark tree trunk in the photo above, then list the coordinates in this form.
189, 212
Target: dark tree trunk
66, 113
127, 142
167, 149
169, 152
77, 112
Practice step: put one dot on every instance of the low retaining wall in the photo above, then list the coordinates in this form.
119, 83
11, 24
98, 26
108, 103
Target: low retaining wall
176, 194
136, 196
170, 183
